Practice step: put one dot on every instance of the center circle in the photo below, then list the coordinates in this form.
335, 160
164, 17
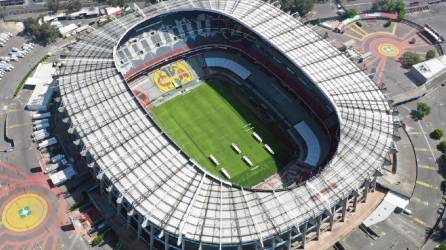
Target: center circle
24, 213
388, 49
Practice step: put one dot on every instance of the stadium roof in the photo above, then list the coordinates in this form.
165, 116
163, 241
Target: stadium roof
168, 189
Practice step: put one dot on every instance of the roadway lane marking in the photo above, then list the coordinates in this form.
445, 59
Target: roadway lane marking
394, 28
426, 185
18, 125
422, 150
429, 167
415, 133
9, 111
418, 200
352, 36
421, 222
427, 141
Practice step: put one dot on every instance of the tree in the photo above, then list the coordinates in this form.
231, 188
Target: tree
423, 110
73, 6
437, 134
120, 3
301, 6
29, 23
351, 13
304, 6
430, 54
410, 58
442, 246
390, 6
443, 187
44, 33
53, 5
442, 147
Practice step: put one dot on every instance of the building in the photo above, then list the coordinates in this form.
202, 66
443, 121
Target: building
42, 83
11, 2
168, 199
428, 70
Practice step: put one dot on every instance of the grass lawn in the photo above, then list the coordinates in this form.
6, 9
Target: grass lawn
207, 120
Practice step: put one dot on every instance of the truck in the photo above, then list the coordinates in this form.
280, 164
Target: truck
47, 143
57, 158
37, 122
62, 176
38, 116
41, 126
51, 168
40, 131
41, 136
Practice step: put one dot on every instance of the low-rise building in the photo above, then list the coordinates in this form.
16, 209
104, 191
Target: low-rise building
428, 70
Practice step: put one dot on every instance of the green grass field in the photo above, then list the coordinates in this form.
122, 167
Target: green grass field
208, 119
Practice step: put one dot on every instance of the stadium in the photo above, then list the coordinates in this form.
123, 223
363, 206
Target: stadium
223, 124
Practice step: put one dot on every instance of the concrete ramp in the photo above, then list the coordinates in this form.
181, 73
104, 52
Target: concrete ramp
385, 209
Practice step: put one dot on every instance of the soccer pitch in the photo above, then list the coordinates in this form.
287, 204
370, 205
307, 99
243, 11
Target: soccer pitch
208, 119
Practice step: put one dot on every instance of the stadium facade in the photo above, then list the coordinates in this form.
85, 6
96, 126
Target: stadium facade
166, 197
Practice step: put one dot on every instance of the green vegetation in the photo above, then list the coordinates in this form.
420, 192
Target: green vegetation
22, 82
53, 5
410, 58
443, 187
442, 246
84, 200
98, 239
442, 147
42, 33
437, 134
72, 6
351, 13
390, 6
423, 110
208, 119
120, 3
430, 54
301, 6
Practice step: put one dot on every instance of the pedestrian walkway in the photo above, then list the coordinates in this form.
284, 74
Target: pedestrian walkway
405, 176
353, 220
